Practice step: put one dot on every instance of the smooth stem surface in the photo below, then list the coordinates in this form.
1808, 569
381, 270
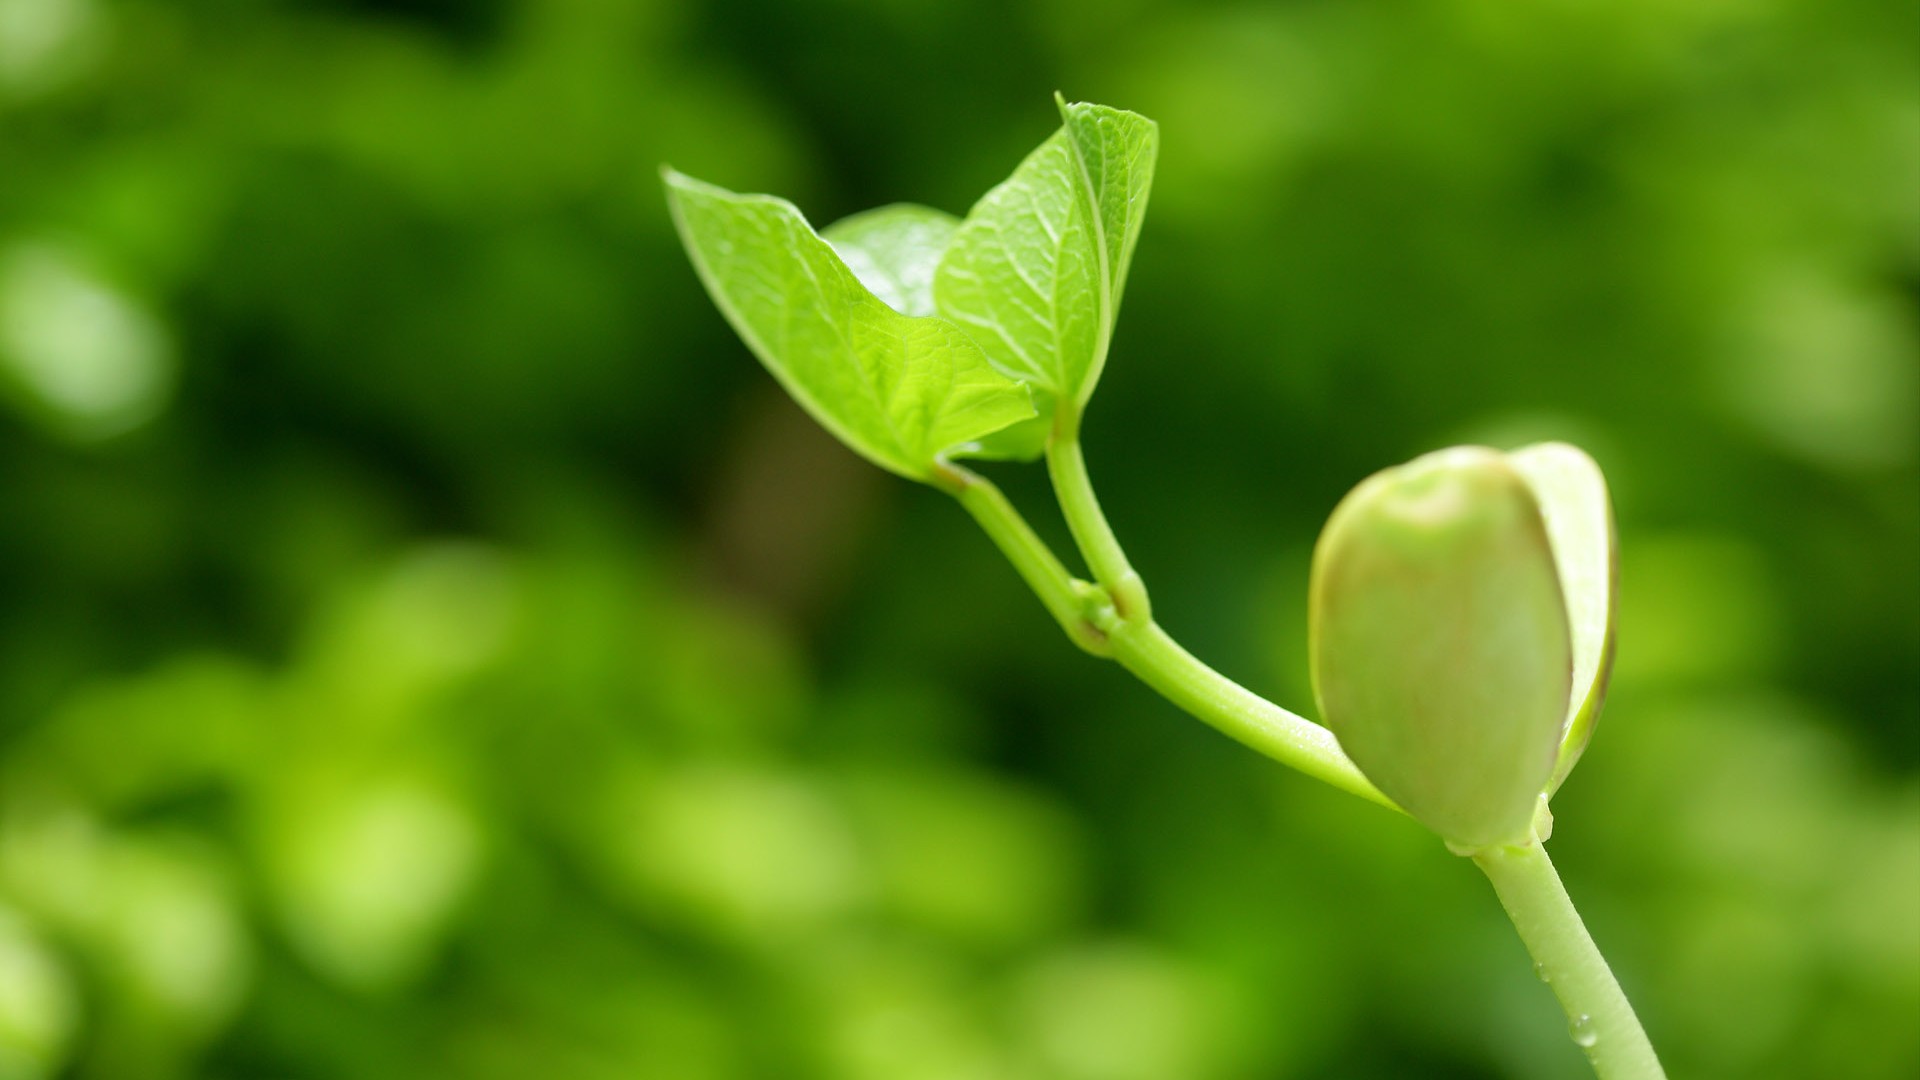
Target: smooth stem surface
1142, 647
1292, 740
1067, 467
1036, 563
1598, 1014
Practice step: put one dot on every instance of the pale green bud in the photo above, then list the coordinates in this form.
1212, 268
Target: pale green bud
1444, 657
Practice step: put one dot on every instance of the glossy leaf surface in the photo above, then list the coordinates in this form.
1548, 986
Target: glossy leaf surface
899, 390
893, 250
1036, 272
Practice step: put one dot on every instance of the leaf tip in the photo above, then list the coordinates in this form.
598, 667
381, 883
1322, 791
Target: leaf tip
677, 185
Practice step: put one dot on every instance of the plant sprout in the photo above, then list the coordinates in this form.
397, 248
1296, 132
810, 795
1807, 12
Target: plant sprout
1462, 605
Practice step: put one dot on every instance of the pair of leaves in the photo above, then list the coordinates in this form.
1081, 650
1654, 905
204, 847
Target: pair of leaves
913, 336
1462, 613
897, 388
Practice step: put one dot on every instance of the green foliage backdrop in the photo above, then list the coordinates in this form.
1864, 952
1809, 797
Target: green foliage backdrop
430, 646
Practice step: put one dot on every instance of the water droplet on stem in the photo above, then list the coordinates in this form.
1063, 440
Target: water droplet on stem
1583, 1032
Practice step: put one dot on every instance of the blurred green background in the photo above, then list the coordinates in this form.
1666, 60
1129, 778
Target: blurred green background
431, 647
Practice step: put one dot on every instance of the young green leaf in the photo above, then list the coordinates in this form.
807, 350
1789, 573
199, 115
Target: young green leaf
1024, 441
893, 251
901, 391
1572, 494
1036, 271
1440, 647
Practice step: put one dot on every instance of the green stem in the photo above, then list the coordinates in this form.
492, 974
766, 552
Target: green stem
1094, 622
1180, 677
1598, 1014
1067, 467
1065, 597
